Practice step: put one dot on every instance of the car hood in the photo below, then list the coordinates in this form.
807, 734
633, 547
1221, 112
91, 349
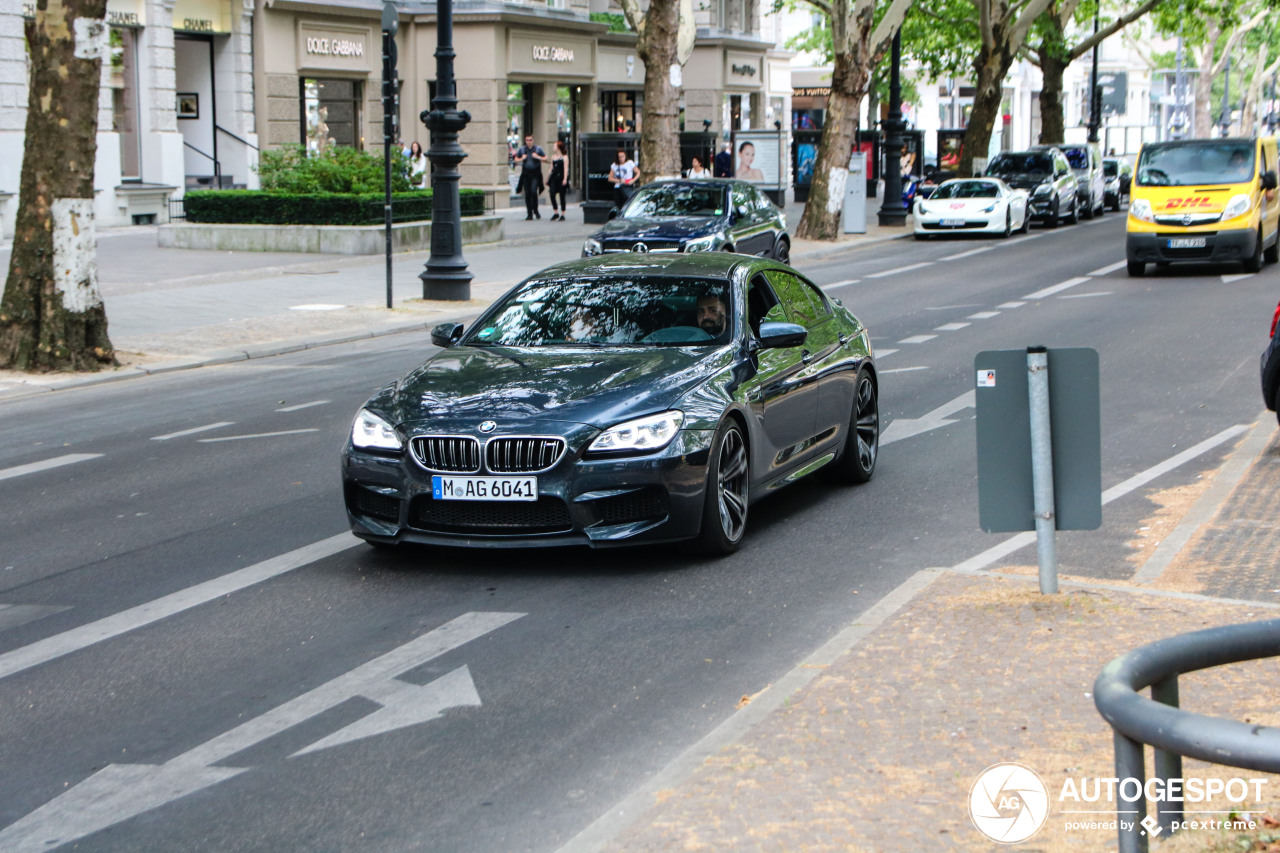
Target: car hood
462, 386
1025, 180
660, 228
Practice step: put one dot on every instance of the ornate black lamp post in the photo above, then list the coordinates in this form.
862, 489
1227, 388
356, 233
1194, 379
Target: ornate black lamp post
892, 212
1095, 101
446, 275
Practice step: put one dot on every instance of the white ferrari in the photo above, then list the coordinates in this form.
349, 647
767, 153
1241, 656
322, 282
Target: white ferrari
972, 205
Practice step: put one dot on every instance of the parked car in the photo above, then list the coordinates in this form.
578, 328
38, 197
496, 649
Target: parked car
614, 400
1271, 368
1047, 176
1118, 174
1086, 162
969, 205
706, 215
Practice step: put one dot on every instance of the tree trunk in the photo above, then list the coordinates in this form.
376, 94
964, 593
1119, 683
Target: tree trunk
1249, 110
821, 220
660, 135
991, 68
1204, 83
1052, 121
52, 316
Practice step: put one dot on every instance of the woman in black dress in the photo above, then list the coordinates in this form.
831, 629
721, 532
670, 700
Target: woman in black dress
558, 182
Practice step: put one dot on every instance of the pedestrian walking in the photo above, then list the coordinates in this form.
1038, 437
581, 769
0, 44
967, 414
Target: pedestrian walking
417, 166
558, 180
723, 164
622, 174
697, 170
530, 158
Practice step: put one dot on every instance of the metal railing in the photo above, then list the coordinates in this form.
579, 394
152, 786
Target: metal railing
1174, 733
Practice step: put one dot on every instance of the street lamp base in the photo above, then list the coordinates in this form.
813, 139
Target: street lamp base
446, 286
892, 218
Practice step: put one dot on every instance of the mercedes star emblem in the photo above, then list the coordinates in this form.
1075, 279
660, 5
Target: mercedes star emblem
640, 248
488, 426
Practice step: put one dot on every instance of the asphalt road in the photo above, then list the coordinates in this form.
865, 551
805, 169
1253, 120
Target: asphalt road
170, 681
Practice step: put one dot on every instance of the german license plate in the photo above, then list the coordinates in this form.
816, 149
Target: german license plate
953, 223
1187, 243
484, 488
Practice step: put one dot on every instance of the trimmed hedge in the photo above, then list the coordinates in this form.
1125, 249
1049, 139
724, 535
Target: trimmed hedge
255, 207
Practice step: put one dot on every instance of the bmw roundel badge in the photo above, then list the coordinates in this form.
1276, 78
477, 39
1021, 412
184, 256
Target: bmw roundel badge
488, 426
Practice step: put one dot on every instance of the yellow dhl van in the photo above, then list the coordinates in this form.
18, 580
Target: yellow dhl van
1204, 200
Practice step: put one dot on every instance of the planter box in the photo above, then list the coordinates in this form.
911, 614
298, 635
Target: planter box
320, 239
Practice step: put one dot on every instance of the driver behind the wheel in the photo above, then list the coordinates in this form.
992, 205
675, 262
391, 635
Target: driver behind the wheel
712, 314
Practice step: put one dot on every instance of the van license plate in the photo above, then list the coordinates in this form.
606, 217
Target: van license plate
1187, 243
484, 488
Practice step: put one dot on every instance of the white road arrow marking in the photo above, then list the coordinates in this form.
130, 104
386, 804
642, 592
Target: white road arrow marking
902, 428
55, 462
1228, 279
1057, 288
119, 792
192, 431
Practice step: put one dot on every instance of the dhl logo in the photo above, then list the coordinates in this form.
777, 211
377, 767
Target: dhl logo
1188, 203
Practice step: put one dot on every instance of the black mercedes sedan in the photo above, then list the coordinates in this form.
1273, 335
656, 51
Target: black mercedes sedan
616, 400
703, 215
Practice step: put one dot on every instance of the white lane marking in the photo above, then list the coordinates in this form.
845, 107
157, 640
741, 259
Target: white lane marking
952, 327
320, 306
903, 369
1086, 295
907, 268
1057, 288
301, 406
193, 431
917, 339
1016, 240
901, 428
58, 645
1110, 268
13, 615
1018, 540
1228, 279
257, 435
1008, 305
967, 254
843, 283
122, 791
984, 315
881, 353
55, 462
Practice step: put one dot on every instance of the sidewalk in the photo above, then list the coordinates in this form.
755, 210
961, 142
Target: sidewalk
174, 309
874, 742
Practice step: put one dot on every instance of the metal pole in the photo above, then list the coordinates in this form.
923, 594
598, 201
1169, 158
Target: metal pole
1132, 836
390, 25
446, 275
1094, 106
1042, 467
892, 211
1168, 765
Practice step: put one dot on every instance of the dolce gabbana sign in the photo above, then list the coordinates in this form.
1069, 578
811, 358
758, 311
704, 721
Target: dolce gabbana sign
548, 53
333, 47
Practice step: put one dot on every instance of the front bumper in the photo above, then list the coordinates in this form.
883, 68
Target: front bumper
1220, 246
1040, 208
600, 502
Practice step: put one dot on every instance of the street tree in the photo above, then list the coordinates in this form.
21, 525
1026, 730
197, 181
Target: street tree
1264, 48
666, 31
52, 316
861, 34
1063, 35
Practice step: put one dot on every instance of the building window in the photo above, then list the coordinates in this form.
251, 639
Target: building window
619, 111
330, 113
124, 100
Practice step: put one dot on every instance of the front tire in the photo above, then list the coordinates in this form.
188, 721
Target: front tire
1137, 269
782, 251
1008, 222
1272, 254
725, 501
1055, 218
1254, 263
857, 460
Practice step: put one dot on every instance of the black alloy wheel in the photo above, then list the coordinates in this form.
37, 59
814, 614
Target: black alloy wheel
1054, 219
1253, 263
782, 251
1272, 254
857, 460
724, 507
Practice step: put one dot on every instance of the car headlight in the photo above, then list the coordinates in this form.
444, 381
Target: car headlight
592, 247
1043, 190
652, 432
1140, 209
921, 208
702, 244
990, 207
1238, 206
370, 432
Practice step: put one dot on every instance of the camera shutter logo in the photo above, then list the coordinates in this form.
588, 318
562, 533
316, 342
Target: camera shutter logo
1008, 803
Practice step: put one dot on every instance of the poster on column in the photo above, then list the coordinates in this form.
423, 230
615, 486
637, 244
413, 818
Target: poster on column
759, 157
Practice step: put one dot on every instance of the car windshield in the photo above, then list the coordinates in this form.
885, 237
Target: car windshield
677, 200
1077, 157
609, 311
1110, 168
968, 189
1020, 164
1184, 164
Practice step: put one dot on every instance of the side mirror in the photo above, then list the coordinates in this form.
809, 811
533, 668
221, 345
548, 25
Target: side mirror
446, 334
613, 213
1269, 180
781, 335
977, 173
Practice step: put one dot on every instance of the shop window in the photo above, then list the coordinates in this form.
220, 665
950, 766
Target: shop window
331, 113
620, 111
519, 117
124, 100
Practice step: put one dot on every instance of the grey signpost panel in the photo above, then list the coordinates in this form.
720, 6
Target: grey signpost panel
854, 215
1005, 484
